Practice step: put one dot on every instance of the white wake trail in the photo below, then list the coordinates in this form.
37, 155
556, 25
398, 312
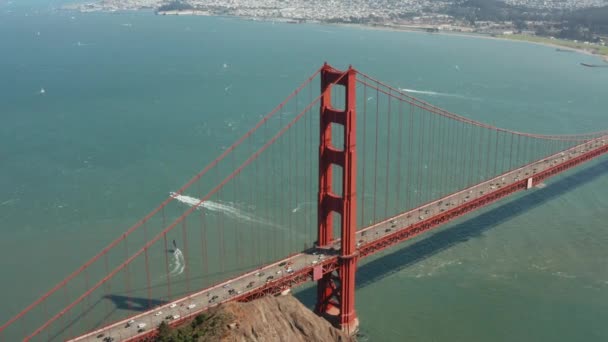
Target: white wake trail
225, 209
431, 93
301, 206
179, 263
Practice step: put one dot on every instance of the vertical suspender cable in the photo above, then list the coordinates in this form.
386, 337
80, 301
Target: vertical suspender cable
186, 259
376, 155
431, 153
409, 177
127, 275
148, 289
168, 274
420, 158
399, 151
363, 164
388, 157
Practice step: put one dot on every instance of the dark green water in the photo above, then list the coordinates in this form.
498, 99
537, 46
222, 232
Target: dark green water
135, 104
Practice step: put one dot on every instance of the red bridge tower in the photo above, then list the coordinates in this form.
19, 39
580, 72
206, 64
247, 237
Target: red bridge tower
336, 291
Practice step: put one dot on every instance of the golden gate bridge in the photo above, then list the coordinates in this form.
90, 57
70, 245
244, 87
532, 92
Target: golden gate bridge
345, 167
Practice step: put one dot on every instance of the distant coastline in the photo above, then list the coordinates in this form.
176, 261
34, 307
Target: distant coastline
560, 45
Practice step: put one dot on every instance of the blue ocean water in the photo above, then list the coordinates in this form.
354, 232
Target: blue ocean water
134, 104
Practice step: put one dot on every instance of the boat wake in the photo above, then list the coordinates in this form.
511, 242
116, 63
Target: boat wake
431, 93
226, 208
178, 265
301, 206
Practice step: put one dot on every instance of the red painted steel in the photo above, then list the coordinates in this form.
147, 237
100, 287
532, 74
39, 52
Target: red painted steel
161, 207
336, 286
328, 297
332, 264
401, 95
177, 221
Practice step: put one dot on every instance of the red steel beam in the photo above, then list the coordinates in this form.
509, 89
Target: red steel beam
402, 235
160, 207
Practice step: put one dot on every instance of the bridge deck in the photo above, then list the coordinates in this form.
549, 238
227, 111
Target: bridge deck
369, 240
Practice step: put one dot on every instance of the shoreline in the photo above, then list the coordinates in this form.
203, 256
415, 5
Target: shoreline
396, 28
603, 57
404, 28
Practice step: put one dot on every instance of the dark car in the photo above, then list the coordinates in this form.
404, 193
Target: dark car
250, 285
269, 278
283, 264
101, 335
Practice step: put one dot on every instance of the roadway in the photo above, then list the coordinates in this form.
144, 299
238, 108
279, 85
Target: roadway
299, 268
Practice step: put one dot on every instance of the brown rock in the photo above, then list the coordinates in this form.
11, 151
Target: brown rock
281, 318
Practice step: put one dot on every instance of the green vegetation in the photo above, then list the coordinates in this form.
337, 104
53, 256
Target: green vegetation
595, 19
601, 50
584, 24
204, 327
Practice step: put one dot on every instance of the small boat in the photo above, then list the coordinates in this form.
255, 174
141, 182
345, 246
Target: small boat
42, 91
594, 65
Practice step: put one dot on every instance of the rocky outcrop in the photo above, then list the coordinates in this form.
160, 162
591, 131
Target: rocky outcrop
281, 318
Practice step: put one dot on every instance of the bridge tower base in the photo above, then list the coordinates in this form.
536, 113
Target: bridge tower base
336, 291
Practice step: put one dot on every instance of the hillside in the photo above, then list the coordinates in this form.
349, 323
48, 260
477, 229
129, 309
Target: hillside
281, 318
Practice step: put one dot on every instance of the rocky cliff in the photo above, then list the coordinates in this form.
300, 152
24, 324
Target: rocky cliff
281, 318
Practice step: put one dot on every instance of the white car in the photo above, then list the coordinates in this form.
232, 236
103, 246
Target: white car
314, 262
141, 325
158, 313
172, 305
130, 323
191, 306
279, 272
176, 316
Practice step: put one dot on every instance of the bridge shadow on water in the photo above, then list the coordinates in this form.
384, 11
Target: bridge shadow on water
134, 303
393, 262
120, 305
